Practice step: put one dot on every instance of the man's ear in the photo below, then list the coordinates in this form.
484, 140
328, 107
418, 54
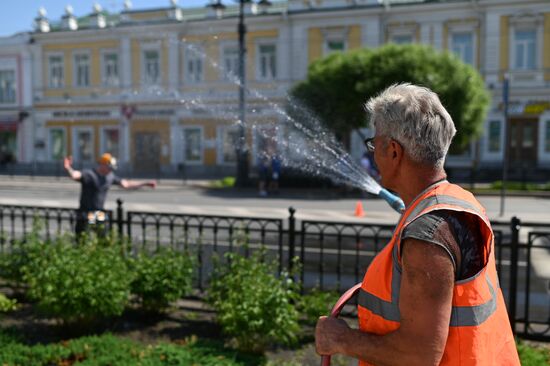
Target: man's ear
396, 150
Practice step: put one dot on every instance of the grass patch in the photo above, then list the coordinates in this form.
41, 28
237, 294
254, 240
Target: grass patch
226, 182
520, 186
111, 350
533, 355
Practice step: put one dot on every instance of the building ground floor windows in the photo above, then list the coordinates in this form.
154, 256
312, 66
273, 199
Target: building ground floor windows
8, 146
151, 141
169, 140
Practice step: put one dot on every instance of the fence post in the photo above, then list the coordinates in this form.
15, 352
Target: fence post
291, 237
515, 225
120, 217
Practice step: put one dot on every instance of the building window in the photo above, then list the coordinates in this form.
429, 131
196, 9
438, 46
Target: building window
494, 136
193, 67
230, 62
192, 144
334, 45
152, 67
230, 140
111, 141
402, 39
525, 51
267, 62
7, 86
56, 71
110, 69
82, 70
84, 146
547, 137
463, 46
8, 146
58, 149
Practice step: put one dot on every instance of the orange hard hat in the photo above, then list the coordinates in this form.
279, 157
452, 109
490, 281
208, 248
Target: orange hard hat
107, 159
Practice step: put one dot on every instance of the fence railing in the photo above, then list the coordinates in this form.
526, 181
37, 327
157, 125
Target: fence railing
332, 255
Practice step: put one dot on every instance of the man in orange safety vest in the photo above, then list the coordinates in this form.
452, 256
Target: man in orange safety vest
432, 295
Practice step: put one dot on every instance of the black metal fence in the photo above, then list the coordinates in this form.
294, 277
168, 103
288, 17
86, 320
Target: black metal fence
332, 255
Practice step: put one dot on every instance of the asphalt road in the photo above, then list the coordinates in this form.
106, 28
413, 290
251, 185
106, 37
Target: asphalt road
195, 197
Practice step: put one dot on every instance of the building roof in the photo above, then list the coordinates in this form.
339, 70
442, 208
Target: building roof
165, 15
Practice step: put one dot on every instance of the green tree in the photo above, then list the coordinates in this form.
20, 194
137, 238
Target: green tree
337, 86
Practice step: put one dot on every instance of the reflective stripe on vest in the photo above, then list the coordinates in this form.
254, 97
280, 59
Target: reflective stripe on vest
460, 315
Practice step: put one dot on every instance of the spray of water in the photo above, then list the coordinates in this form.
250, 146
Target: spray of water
302, 141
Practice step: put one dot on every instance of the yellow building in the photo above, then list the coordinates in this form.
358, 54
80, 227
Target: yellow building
157, 87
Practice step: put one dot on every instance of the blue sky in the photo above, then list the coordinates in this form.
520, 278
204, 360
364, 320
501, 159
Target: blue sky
18, 15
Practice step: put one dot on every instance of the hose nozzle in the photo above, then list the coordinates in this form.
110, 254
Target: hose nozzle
394, 201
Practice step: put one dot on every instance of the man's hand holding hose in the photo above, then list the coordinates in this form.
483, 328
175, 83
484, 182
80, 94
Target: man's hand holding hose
329, 329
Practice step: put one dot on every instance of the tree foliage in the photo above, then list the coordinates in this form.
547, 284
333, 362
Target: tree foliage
337, 86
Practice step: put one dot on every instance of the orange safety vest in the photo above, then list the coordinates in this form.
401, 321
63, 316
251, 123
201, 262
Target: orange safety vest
479, 329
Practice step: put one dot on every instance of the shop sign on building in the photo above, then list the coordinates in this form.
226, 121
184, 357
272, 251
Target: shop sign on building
81, 114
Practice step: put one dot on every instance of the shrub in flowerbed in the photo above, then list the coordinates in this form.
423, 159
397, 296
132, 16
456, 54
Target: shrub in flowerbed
162, 277
21, 253
7, 304
80, 282
253, 305
315, 304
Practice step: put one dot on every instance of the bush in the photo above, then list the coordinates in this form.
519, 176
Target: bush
316, 304
7, 304
22, 253
79, 282
253, 306
162, 278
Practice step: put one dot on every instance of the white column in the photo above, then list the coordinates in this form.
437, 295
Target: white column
492, 48
41, 135
437, 35
299, 52
425, 33
39, 81
175, 142
126, 63
125, 139
284, 52
371, 33
173, 62
27, 125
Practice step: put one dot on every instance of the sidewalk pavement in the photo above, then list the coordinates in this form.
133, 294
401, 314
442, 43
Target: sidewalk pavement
18, 181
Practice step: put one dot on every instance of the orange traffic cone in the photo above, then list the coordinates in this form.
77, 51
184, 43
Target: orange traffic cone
359, 209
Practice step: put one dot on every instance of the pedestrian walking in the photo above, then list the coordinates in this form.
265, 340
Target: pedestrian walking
275, 174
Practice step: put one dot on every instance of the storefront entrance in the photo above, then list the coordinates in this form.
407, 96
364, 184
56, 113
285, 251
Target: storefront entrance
147, 150
523, 142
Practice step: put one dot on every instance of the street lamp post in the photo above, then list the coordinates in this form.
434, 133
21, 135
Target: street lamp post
241, 148
506, 152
